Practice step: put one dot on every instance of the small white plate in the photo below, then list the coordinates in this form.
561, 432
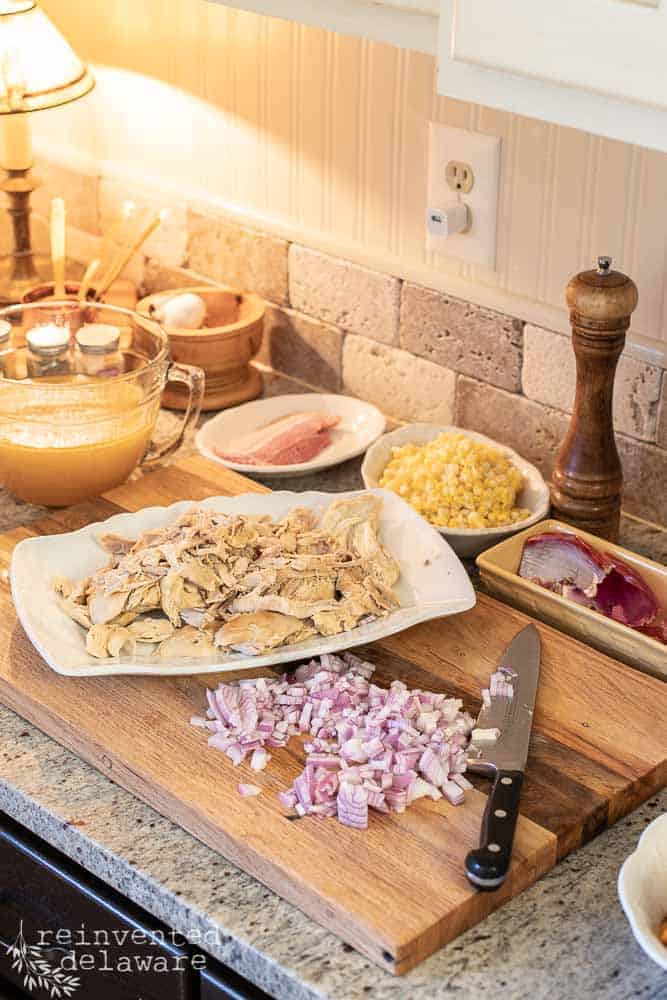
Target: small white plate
361, 423
433, 583
642, 889
466, 542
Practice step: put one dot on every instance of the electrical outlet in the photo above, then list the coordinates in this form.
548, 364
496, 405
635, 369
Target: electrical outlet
472, 159
459, 176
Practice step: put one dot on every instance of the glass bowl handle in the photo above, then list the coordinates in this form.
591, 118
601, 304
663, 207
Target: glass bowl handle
194, 379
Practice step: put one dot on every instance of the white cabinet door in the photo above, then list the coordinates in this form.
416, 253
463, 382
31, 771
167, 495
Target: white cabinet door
410, 24
599, 65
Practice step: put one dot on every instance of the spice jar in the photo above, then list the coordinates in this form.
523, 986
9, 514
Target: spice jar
48, 351
98, 350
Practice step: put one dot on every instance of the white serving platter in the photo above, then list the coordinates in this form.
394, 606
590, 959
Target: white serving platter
360, 424
466, 542
642, 889
433, 583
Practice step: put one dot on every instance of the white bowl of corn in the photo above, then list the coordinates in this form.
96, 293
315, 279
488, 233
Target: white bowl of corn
472, 489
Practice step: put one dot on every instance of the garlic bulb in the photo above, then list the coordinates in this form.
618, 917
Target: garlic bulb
186, 311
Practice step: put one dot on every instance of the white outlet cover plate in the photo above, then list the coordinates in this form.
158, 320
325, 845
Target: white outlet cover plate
482, 152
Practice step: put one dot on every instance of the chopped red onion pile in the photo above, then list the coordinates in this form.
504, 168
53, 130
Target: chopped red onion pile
567, 565
368, 747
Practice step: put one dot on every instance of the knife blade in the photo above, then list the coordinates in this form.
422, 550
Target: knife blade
504, 759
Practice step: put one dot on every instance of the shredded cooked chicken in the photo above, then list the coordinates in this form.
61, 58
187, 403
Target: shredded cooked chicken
240, 582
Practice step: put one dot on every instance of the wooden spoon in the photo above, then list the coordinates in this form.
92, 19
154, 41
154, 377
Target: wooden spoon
117, 234
91, 271
126, 253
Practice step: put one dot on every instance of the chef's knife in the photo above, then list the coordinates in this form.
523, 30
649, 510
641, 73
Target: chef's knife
504, 759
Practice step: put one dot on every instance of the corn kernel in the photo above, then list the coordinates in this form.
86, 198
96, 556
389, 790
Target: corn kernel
456, 482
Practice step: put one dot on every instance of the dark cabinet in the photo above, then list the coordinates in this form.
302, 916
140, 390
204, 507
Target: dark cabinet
223, 984
67, 924
69, 928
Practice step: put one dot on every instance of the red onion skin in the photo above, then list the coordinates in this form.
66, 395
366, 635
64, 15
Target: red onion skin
565, 541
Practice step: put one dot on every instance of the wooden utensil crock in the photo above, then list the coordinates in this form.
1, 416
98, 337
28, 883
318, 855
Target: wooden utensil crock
224, 347
588, 477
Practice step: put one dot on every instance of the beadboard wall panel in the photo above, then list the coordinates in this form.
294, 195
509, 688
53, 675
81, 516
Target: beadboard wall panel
318, 132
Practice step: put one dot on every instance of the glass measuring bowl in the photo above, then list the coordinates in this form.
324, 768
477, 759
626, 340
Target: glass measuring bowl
68, 437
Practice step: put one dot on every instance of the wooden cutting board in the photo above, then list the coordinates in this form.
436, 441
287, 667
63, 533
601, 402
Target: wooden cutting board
396, 892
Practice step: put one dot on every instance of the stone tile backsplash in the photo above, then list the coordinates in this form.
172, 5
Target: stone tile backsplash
419, 354
533, 430
226, 252
461, 336
352, 297
80, 191
309, 350
662, 416
402, 385
168, 244
549, 373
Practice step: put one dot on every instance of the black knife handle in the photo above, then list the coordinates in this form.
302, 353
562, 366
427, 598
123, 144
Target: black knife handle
487, 867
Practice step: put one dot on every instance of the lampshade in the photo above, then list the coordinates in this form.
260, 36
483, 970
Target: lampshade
38, 69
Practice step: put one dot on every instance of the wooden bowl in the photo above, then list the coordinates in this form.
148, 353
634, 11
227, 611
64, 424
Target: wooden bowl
224, 347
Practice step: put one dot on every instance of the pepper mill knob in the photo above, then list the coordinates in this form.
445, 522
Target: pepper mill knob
588, 477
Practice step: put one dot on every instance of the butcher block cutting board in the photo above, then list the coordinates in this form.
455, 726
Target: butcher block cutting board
397, 891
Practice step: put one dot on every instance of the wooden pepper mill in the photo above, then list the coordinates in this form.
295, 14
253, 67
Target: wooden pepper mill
588, 477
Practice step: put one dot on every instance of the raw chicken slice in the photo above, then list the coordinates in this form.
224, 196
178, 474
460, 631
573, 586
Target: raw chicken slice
290, 440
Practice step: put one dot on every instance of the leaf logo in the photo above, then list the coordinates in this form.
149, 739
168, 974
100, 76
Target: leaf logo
37, 972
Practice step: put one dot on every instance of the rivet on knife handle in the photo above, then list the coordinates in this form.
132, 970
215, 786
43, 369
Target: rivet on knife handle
487, 867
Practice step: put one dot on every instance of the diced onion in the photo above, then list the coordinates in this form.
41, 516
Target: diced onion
367, 747
248, 790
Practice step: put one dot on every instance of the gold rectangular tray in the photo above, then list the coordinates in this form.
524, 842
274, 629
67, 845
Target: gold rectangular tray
499, 567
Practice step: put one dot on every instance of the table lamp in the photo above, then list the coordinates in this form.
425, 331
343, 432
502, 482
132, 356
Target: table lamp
38, 70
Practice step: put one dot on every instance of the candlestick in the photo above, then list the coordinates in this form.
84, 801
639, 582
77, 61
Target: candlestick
15, 143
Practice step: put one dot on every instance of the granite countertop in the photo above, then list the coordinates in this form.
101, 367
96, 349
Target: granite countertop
565, 938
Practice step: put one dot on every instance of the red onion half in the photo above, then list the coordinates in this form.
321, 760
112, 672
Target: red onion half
567, 565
